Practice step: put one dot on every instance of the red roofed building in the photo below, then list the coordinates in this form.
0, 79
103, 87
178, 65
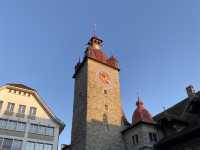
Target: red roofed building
141, 130
141, 114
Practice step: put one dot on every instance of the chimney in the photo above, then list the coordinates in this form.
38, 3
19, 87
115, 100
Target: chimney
190, 90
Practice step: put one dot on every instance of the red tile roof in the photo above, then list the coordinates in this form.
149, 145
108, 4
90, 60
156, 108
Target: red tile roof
141, 113
100, 56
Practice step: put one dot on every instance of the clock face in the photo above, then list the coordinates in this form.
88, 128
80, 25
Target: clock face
104, 78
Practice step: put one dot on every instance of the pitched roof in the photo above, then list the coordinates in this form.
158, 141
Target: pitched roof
175, 110
20, 86
40, 100
180, 137
101, 57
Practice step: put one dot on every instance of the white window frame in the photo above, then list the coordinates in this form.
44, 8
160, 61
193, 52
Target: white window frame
10, 107
32, 111
22, 109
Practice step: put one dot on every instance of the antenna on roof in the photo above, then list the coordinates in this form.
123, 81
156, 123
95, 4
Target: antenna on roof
79, 59
164, 108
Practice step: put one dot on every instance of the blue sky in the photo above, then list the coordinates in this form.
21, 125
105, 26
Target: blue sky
157, 43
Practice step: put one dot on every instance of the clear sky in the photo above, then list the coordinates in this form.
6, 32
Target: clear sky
157, 43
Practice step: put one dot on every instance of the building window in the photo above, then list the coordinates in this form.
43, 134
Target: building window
47, 147
1, 141
21, 126
1, 104
10, 107
7, 144
32, 111
11, 125
152, 137
10, 144
105, 91
135, 139
106, 107
22, 109
33, 128
17, 145
3, 123
49, 131
40, 129
38, 146
30, 146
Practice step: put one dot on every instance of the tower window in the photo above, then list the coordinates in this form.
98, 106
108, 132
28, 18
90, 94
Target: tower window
135, 139
152, 137
105, 118
105, 91
106, 107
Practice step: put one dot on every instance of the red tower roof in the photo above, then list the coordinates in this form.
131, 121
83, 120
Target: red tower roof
141, 114
94, 51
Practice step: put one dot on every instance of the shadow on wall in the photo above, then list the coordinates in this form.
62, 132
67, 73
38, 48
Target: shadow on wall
101, 135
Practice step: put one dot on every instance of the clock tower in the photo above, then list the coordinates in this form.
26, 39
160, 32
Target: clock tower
97, 113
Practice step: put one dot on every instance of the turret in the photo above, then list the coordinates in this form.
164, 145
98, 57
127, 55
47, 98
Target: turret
142, 134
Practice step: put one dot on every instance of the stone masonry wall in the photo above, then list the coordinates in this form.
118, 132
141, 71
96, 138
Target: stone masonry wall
142, 130
78, 135
104, 113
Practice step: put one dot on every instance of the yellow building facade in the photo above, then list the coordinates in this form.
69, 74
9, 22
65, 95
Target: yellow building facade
26, 122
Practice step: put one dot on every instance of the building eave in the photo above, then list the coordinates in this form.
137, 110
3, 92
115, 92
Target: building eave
133, 126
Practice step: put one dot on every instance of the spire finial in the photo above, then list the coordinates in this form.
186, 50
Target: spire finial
139, 102
94, 29
138, 96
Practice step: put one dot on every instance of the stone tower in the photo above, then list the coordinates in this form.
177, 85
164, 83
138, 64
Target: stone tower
97, 113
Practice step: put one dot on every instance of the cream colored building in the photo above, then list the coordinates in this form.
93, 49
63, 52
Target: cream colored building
26, 122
